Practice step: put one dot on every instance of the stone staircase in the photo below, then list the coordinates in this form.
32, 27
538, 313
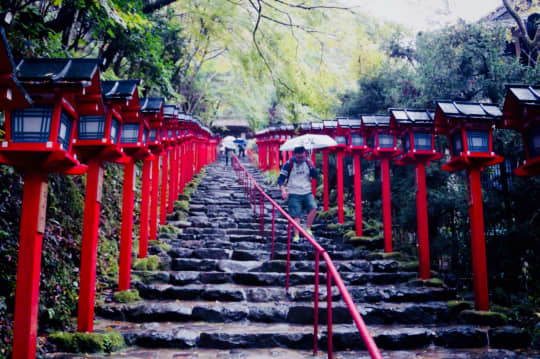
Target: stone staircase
218, 289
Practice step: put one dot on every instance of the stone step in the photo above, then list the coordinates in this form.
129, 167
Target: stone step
190, 285
214, 311
245, 335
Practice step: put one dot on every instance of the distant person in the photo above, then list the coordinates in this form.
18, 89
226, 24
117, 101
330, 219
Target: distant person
297, 173
228, 154
242, 150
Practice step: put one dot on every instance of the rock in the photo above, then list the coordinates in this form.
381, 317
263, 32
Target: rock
509, 338
160, 312
231, 266
183, 224
176, 338
255, 278
215, 277
212, 253
240, 255
413, 338
461, 337
220, 314
194, 264
223, 294
272, 312
184, 277
199, 221
477, 317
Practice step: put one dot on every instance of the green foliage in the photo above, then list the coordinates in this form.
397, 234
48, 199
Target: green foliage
126, 296
164, 246
150, 263
181, 205
88, 342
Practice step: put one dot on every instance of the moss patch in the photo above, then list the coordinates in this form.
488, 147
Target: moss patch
88, 342
411, 266
169, 229
433, 282
181, 206
127, 296
150, 263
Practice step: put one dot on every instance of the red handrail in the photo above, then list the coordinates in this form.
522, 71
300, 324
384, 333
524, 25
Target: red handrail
252, 188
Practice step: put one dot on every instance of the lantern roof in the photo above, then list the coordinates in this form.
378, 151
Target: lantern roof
469, 110
123, 89
58, 72
345, 122
412, 116
317, 126
305, 126
169, 111
155, 104
525, 94
18, 97
284, 127
376, 120
329, 124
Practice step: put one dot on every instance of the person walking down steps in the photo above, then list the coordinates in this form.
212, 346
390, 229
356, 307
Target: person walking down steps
297, 174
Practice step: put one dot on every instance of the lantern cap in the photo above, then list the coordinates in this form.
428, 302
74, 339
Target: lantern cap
525, 94
317, 125
122, 89
20, 97
58, 72
376, 120
345, 122
412, 116
329, 123
469, 110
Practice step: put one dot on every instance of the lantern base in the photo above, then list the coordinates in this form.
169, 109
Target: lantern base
410, 158
111, 153
477, 160
530, 168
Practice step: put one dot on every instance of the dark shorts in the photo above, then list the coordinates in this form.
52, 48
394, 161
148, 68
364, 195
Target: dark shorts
300, 202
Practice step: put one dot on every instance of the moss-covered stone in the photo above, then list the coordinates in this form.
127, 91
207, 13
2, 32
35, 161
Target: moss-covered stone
169, 229
181, 206
88, 342
164, 246
433, 282
150, 263
478, 317
410, 266
457, 306
127, 296
398, 256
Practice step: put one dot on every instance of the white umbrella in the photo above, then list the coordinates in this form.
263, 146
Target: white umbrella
228, 142
309, 142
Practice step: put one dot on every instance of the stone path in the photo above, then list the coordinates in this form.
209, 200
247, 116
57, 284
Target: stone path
221, 296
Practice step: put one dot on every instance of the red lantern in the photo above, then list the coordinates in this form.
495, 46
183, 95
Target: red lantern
521, 112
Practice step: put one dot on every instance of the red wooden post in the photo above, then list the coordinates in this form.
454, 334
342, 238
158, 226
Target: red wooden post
339, 170
358, 194
126, 236
422, 220
313, 180
164, 181
270, 157
155, 198
94, 181
32, 226
276, 151
283, 156
325, 180
387, 209
145, 202
172, 180
478, 243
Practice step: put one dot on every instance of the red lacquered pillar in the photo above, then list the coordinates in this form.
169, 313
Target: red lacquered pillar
34, 210
422, 220
313, 180
126, 236
172, 180
145, 208
92, 203
278, 167
270, 158
325, 180
358, 194
339, 170
478, 242
164, 181
155, 198
387, 209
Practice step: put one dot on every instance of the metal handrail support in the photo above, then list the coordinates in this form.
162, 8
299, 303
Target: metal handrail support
331, 272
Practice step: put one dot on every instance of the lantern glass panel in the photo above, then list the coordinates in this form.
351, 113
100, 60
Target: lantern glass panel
457, 144
357, 140
341, 140
115, 130
145, 135
533, 141
386, 141
478, 140
406, 143
91, 127
422, 141
130, 133
31, 124
64, 130
153, 135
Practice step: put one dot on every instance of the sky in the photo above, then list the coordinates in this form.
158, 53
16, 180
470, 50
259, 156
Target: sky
426, 14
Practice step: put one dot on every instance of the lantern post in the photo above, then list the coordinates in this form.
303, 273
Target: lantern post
469, 127
521, 112
171, 118
152, 110
383, 148
417, 132
134, 141
38, 141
